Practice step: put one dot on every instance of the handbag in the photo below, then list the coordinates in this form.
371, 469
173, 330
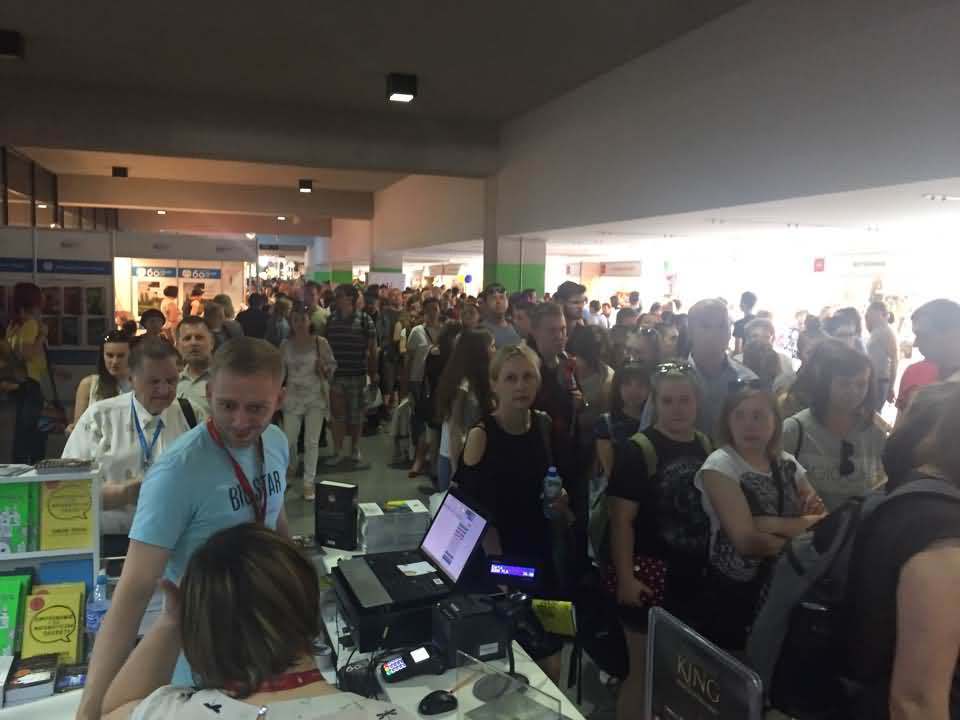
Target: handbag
652, 572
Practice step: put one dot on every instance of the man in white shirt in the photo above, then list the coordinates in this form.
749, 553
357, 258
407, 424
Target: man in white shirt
125, 435
593, 316
195, 343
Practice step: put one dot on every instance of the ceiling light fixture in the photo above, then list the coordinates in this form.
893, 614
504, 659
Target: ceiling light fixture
940, 198
282, 218
161, 212
401, 88
53, 225
11, 45
306, 186
41, 206
251, 236
119, 171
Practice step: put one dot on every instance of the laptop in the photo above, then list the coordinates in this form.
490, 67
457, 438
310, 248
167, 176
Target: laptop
426, 574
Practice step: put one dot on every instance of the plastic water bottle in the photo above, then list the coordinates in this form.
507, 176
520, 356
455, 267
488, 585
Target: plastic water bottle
97, 605
552, 487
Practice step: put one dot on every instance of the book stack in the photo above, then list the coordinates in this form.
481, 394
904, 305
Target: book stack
19, 517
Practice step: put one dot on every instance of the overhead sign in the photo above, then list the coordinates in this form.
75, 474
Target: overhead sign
75, 267
621, 269
16, 265
689, 678
141, 271
200, 273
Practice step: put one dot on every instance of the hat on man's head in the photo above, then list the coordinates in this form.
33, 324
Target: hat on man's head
568, 289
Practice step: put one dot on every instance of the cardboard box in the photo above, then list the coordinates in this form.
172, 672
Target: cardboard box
66, 509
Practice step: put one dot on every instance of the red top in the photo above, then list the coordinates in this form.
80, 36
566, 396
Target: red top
917, 375
287, 681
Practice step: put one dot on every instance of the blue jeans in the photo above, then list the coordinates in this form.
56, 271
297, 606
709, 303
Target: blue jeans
444, 472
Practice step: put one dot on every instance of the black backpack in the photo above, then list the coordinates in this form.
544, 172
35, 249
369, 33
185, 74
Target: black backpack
797, 642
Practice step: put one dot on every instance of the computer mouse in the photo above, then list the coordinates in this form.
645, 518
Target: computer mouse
439, 701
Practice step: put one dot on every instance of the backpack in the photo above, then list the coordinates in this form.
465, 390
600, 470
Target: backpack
599, 522
796, 643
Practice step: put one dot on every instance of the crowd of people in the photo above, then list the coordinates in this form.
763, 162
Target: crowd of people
691, 450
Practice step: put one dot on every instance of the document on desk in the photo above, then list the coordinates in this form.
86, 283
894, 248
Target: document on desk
416, 569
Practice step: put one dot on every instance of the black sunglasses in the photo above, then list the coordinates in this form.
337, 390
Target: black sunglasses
846, 462
668, 368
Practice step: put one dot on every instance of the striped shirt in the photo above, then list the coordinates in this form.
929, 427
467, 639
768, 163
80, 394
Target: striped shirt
349, 340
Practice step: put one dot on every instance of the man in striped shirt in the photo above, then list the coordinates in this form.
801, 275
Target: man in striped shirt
353, 340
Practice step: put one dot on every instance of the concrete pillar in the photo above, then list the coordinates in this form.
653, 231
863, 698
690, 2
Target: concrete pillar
515, 263
386, 262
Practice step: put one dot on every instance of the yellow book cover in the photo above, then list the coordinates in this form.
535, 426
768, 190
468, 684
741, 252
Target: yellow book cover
52, 625
65, 521
556, 616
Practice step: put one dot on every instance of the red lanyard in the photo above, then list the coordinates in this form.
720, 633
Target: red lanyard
288, 681
259, 507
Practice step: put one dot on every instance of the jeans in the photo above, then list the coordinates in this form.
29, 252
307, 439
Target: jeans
444, 472
312, 420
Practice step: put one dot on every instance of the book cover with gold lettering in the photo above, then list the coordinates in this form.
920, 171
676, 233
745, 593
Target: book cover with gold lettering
65, 521
52, 624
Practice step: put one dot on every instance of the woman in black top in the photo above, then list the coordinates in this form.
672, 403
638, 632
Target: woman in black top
658, 530
505, 459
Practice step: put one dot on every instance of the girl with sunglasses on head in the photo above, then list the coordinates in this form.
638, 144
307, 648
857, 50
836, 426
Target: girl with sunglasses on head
111, 379
658, 531
839, 438
757, 497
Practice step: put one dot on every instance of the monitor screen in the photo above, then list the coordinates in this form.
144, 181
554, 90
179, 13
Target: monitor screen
454, 534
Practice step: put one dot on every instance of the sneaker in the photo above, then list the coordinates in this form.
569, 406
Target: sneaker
334, 460
356, 457
308, 491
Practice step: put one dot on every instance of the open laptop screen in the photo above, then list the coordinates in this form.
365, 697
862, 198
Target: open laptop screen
454, 534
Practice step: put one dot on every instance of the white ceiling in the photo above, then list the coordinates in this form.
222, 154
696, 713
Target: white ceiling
84, 162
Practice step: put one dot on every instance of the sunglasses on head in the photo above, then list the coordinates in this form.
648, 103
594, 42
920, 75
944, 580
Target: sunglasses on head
846, 462
673, 367
746, 384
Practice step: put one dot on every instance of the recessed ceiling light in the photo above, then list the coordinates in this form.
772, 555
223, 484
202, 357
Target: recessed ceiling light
161, 212
41, 206
53, 225
401, 88
282, 218
251, 236
306, 186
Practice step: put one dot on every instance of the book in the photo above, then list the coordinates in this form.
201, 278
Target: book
69, 678
11, 470
30, 679
13, 592
53, 466
6, 664
556, 616
53, 624
65, 514
15, 513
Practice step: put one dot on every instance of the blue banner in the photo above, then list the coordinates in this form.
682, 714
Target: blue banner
200, 273
75, 267
16, 265
142, 271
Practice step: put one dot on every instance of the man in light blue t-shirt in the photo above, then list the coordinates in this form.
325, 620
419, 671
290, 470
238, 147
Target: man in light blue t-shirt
228, 471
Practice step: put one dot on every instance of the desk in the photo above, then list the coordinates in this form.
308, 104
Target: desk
409, 693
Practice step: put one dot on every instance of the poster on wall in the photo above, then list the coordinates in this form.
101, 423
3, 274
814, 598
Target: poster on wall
689, 678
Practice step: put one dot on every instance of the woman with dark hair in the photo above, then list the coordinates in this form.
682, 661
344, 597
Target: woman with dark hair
111, 379
628, 397
463, 396
437, 357
27, 337
839, 439
669, 337
245, 616
643, 346
590, 346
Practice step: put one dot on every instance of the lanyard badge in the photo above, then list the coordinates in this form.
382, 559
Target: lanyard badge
146, 451
259, 504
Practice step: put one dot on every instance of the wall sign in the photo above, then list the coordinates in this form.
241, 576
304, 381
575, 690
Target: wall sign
75, 267
16, 265
819, 264
141, 271
621, 269
200, 273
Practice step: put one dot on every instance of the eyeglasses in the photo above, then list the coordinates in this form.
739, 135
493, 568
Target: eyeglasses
846, 462
673, 367
647, 331
746, 383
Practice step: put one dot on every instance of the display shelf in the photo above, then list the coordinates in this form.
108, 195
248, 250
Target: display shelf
34, 476
44, 555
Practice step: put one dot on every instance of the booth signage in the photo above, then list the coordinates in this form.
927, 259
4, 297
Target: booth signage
75, 267
688, 678
141, 271
819, 264
621, 269
16, 265
200, 273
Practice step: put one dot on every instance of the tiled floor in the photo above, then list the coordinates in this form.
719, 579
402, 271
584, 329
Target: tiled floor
377, 483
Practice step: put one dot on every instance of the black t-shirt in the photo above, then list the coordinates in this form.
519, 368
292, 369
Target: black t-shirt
890, 537
253, 322
670, 516
739, 327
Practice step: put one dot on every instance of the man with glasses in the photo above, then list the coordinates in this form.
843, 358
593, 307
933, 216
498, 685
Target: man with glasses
495, 305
